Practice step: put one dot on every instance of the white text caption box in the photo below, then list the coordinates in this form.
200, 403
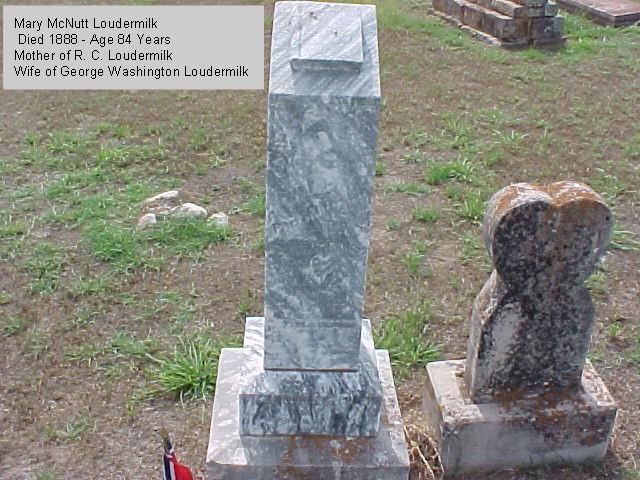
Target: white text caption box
133, 47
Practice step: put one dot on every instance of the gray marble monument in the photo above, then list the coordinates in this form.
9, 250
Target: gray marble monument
526, 395
308, 395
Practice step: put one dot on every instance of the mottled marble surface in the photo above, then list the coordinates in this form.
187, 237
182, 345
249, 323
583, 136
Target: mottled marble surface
232, 456
321, 148
324, 40
531, 323
363, 83
310, 402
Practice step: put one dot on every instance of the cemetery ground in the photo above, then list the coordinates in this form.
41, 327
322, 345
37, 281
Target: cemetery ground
108, 332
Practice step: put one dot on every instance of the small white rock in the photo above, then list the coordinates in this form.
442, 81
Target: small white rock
164, 197
220, 218
189, 210
147, 220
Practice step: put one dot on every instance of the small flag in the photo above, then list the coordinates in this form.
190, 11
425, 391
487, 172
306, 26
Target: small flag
172, 470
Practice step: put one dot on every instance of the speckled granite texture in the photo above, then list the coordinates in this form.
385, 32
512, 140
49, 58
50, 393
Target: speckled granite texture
524, 397
531, 323
322, 135
232, 456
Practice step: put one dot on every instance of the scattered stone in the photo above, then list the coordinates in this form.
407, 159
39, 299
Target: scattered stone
221, 219
147, 220
526, 395
162, 203
309, 396
188, 210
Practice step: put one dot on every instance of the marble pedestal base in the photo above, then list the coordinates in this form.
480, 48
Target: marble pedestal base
557, 427
232, 456
310, 402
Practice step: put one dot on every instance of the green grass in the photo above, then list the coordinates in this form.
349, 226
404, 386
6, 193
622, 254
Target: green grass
393, 224
597, 281
632, 149
71, 431
413, 258
190, 371
426, 215
509, 139
634, 356
414, 156
10, 228
5, 298
121, 345
380, 169
631, 474
623, 240
441, 172
613, 330
472, 207
392, 17
608, 185
247, 304
13, 324
45, 265
86, 286
184, 235
46, 475
36, 343
471, 247
128, 249
403, 337
119, 246
256, 204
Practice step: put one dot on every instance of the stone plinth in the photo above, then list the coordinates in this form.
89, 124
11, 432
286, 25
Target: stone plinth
307, 402
509, 23
559, 427
612, 13
233, 456
526, 395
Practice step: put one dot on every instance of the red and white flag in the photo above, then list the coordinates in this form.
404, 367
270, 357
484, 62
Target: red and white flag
171, 469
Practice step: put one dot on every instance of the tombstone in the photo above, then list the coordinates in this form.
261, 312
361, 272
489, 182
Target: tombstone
526, 394
308, 395
509, 23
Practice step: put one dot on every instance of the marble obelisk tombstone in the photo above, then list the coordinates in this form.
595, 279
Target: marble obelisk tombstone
308, 396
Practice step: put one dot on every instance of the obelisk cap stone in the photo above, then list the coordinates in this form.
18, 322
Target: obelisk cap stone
324, 49
326, 42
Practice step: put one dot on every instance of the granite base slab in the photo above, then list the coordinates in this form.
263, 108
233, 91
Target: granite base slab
232, 456
612, 13
554, 428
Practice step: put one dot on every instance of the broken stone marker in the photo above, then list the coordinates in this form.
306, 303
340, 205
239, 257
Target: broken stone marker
308, 395
526, 395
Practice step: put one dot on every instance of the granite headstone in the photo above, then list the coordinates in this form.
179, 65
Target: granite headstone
526, 394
